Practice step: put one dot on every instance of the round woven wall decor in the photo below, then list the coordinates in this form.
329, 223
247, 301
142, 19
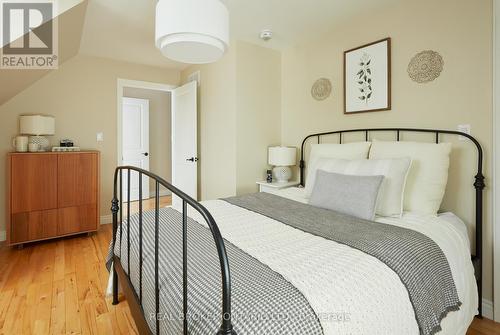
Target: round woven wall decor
321, 89
425, 66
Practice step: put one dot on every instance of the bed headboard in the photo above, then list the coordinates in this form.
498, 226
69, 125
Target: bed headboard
478, 178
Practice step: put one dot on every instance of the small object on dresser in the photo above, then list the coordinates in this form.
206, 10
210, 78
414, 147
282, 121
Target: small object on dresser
65, 149
269, 177
20, 143
66, 143
33, 147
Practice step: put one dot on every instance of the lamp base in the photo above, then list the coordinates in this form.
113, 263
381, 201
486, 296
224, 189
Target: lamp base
282, 174
43, 142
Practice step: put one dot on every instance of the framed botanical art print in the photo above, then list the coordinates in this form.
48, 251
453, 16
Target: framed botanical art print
367, 78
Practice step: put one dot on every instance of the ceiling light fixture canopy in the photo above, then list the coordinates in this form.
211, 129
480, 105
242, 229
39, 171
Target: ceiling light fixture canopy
192, 31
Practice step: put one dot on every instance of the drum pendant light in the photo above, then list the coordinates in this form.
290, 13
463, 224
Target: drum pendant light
192, 31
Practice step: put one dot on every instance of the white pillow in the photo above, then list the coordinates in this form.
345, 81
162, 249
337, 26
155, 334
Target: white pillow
395, 172
354, 150
428, 174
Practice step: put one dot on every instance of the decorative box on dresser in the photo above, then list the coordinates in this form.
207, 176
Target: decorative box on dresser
51, 195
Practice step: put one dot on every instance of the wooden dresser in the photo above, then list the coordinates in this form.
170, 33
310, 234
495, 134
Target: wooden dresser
51, 195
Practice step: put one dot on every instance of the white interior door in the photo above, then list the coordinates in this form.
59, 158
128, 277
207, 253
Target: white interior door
135, 144
184, 142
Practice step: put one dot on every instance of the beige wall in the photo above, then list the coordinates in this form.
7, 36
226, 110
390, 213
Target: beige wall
239, 117
81, 94
258, 117
461, 31
160, 135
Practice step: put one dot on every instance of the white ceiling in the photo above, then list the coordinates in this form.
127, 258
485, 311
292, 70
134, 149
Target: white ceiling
293, 21
124, 29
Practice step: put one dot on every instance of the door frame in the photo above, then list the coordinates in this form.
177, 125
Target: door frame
496, 158
121, 84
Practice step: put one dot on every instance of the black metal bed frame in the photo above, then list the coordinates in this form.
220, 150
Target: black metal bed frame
226, 327
479, 184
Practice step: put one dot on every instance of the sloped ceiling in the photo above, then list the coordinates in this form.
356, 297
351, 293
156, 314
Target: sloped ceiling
124, 30
70, 27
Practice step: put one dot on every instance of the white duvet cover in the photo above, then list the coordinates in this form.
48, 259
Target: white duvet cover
350, 291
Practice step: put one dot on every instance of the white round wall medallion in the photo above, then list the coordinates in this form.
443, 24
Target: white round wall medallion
425, 66
321, 89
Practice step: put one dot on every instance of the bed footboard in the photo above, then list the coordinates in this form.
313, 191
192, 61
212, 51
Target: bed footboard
134, 298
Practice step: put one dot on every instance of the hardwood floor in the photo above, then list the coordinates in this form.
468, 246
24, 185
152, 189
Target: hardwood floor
58, 287
146, 205
484, 327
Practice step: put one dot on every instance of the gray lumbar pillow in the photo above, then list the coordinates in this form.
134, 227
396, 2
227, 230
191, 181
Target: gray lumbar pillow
348, 194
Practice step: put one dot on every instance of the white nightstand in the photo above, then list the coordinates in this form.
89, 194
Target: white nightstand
264, 186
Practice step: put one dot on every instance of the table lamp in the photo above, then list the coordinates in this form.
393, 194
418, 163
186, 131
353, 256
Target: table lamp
282, 158
38, 126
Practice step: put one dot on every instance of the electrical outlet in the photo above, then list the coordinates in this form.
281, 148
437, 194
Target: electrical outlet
100, 137
464, 128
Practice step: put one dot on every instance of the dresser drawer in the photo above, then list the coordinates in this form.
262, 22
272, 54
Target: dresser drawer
76, 219
30, 226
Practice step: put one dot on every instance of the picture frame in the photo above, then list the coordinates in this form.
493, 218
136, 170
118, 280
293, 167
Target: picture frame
367, 78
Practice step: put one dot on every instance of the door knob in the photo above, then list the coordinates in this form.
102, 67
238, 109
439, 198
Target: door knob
146, 154
192, 159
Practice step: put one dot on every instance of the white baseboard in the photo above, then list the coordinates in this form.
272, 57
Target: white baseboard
3, 235
106, 219
488, 309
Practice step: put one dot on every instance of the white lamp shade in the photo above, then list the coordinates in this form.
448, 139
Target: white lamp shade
37, 125
282, 156
192, 31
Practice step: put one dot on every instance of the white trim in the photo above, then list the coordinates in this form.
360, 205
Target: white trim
121, 84
488, 309
496, 158
3, 235
106, 219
